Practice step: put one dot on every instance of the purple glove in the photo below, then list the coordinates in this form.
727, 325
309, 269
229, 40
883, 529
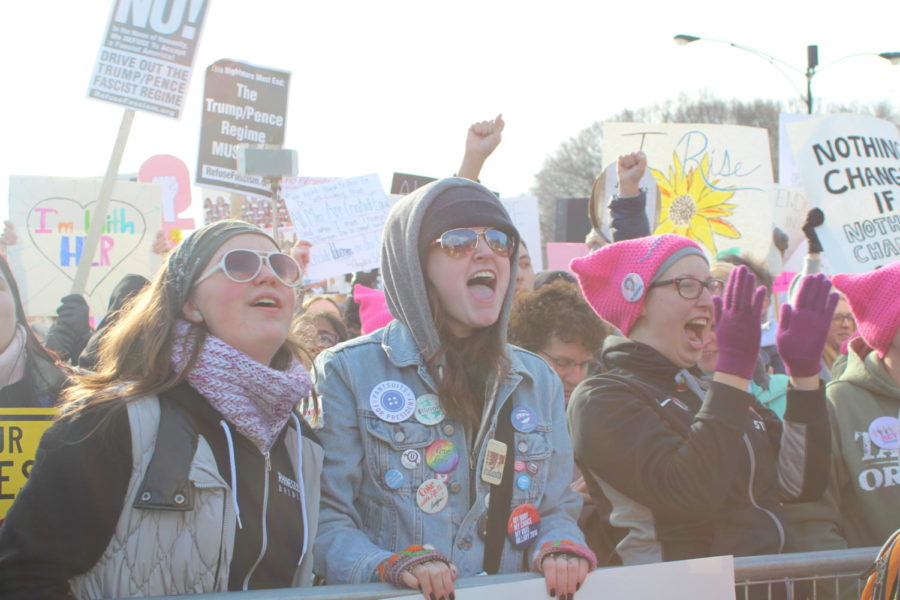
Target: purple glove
737, 318
803, 328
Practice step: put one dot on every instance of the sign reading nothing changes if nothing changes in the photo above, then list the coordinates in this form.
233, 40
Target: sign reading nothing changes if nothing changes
242, 104
147, 55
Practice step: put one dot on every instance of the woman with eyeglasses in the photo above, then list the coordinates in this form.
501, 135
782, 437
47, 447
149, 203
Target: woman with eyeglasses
179, 466
688, 470
446, 449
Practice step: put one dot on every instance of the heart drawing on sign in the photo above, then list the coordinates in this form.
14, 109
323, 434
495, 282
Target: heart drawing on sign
58, 228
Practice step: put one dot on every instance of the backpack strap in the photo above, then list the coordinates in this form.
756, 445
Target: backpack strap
501, 496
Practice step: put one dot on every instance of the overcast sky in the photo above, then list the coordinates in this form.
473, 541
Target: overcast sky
378, 87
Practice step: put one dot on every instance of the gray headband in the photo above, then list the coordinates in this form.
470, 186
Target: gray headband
675, 257
189, 259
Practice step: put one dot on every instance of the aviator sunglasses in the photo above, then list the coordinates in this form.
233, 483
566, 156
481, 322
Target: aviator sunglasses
463, 241
242, 266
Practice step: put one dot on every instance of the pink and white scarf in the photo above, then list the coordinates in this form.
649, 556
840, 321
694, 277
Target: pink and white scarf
255, 398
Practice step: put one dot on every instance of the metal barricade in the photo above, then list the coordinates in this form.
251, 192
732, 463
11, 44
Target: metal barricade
828, 575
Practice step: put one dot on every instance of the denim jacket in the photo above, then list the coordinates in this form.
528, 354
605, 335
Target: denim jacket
363, 521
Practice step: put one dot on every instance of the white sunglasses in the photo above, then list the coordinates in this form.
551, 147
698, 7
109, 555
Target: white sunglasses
243, 265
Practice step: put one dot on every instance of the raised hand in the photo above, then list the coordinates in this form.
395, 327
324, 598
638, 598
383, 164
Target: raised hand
814, 218
803, 328
481, 140
737, 319
484, 137
629, 170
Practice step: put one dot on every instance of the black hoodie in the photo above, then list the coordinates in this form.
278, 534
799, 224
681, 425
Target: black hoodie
689, 478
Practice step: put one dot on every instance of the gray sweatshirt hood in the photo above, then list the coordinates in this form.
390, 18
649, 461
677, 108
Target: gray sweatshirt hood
403, 274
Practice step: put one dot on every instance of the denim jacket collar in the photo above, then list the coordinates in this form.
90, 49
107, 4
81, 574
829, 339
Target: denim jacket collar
400, 347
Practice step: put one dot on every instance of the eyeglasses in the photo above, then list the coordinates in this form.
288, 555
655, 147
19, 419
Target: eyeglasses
326, 339
461, 242
564, 364
690, 288
242, 266
841, 317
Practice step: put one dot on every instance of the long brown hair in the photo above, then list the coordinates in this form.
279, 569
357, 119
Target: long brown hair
468, 365
134, 357
35, 352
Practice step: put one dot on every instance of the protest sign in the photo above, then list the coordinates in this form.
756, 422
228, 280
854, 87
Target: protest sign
713, 181
698, 579
173, 177
146, 57
790, 214
404, 183
242, 104
850, 168
20, 432
787, 168
525, 216
560, 254
343, 220
53, 216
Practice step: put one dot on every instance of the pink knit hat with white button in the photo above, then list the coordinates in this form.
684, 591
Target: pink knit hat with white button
616, 278
873, 299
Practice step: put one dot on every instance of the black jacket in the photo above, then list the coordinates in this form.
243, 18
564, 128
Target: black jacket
688, 478
65, 516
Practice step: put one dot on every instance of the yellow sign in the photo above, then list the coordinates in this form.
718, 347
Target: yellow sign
20, 432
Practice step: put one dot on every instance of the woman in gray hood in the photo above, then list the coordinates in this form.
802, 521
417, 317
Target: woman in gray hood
446, 449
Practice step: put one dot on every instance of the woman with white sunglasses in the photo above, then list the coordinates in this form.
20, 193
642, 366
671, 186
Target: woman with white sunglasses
179, 466
447, 452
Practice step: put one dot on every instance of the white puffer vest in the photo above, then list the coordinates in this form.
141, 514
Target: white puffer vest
174, 552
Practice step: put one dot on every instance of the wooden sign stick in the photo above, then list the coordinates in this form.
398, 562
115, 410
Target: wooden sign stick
98, 218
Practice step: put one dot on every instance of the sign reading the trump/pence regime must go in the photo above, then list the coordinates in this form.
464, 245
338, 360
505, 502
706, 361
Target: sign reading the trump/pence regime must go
20, 431
242, 104
146, 58
850, 167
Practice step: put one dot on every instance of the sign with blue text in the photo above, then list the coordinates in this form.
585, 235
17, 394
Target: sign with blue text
52, 216
714, 181
343, 220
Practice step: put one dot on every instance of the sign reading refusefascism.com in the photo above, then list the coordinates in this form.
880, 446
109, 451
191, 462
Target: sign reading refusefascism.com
146, 57
242, 104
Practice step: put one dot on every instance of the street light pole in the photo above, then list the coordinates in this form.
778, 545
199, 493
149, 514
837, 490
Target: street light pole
812, 62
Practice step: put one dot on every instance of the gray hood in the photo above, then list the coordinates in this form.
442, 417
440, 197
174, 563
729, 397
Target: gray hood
402, 273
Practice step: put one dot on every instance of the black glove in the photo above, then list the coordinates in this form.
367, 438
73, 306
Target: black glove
72, 330
814, 218
781, 240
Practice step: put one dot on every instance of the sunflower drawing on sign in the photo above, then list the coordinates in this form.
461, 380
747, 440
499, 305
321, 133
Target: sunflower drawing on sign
691, 205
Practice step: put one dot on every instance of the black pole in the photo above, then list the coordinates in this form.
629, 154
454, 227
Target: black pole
812, 61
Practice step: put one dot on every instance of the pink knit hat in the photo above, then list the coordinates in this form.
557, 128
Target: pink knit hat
873, 302
615, 279
373, 310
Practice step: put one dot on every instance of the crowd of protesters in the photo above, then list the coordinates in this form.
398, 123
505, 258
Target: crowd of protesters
457, 414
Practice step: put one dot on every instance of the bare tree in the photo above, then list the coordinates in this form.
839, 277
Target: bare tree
570, 171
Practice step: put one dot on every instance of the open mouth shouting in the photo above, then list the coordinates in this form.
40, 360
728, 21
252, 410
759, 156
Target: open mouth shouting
698, 330
483, 285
